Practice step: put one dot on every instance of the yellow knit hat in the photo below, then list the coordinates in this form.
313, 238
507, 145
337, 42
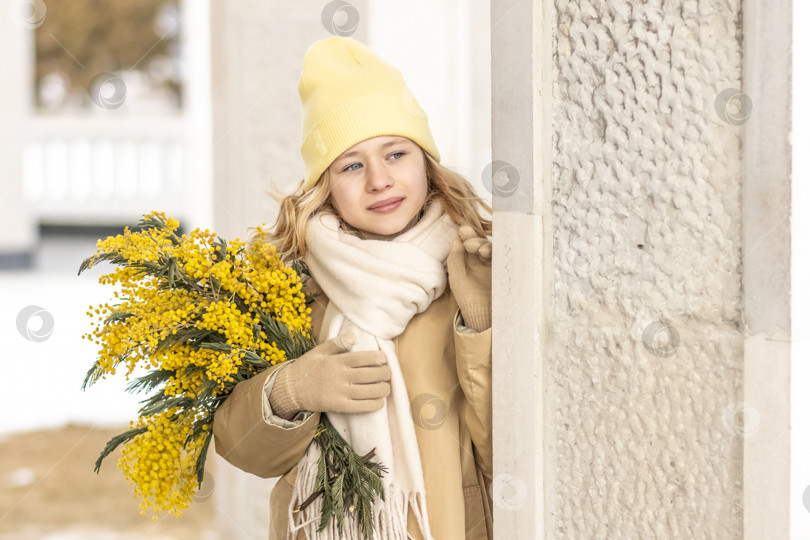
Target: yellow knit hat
349, 95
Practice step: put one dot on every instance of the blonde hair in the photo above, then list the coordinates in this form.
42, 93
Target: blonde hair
451, 189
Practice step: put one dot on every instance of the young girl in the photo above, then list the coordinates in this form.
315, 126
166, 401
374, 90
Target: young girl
396, 246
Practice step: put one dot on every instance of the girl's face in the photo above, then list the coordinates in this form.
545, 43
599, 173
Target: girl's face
379, 185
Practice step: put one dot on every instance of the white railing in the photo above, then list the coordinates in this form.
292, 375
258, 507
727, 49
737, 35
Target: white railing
88, 170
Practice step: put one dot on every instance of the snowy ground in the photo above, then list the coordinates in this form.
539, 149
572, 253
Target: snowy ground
42, 378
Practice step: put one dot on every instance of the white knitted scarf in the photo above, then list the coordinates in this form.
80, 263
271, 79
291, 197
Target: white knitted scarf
374, 288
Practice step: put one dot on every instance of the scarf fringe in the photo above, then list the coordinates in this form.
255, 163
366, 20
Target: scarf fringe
390, 520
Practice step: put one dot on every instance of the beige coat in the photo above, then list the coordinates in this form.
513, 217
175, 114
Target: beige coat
448, 376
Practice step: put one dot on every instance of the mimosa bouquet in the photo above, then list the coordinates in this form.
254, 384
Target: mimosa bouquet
199, 315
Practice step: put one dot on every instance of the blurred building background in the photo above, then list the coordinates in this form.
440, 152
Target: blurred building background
106, 109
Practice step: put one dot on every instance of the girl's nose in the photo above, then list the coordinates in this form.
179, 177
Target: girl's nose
379, 178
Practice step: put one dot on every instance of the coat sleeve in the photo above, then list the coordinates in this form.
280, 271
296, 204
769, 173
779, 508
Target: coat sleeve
474, 369
249, 436
249, 441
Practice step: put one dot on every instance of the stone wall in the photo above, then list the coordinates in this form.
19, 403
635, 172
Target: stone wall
646, 351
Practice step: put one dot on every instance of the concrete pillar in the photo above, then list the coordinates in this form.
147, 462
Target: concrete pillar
800, 285
766, 265
520, 272
641, 369
197, 109
19, 238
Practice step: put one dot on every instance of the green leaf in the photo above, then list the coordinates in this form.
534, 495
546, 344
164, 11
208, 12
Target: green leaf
149, 381
92, 376
116, 441
344, 479
172, 270
255, 360
184, 335
212, 346
337, 495
114, 258
118, 316
163, 403
87, 263
200, 464
300, 267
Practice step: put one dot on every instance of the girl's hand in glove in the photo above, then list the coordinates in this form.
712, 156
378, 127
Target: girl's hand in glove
469, 267
329, 379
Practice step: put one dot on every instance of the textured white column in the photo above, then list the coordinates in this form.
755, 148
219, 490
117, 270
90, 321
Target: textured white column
19, 236
519, 175
196, 29
641, 365
766, 256
800, 285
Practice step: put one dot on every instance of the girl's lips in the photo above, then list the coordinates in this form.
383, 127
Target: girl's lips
388, 207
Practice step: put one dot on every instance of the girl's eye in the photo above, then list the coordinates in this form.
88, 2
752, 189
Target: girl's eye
349, 167
355, 166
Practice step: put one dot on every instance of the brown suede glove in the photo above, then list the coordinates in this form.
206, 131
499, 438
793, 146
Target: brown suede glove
469, 267
330, 379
